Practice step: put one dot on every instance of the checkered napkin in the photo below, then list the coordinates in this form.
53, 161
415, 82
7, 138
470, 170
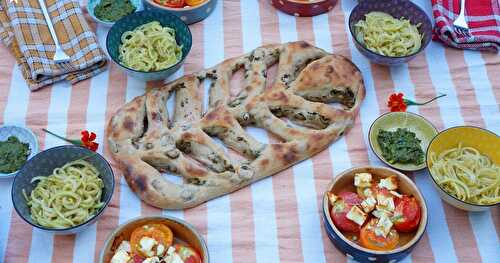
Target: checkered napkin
482, 16
24, 31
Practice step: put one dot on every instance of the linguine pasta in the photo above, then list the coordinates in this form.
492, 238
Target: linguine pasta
467, 174
66, 198
388, 36
149, 47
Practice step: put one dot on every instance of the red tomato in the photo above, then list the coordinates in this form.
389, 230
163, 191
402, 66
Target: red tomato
171, 3
137, 259
368, 238
407, 214
187, 254
340, 209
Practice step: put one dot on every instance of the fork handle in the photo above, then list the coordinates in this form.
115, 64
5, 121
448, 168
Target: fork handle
49, 22
462, 7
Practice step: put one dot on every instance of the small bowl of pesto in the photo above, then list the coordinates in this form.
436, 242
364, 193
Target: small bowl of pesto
17, 145
400, 140
107, 12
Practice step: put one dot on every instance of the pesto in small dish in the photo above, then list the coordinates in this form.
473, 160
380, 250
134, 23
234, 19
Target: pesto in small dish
400, 146
13, 154
113, 10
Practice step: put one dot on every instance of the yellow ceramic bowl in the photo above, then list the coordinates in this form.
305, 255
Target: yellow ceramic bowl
391, 121
486, 142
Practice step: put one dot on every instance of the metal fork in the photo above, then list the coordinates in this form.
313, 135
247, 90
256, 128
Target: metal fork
460, 24
60, 56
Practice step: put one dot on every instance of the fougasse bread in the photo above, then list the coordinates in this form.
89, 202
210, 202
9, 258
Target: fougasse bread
310, 102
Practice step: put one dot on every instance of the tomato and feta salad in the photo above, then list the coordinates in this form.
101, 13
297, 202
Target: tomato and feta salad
376, 213
153, 243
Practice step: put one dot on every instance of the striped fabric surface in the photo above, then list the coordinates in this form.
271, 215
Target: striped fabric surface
277, 219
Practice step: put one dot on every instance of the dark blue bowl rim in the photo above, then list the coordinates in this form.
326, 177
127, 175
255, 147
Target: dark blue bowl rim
177, 9
327, 219
137, 13
106, 202
353, 36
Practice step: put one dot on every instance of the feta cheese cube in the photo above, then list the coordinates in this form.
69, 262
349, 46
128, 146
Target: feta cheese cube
363, 180
151, 260
385, 202
390, 183
332, 198
170, 250
160, 249
125, 246
368, 204
379, 212
146, 246
121, 256
383, 227
357, 215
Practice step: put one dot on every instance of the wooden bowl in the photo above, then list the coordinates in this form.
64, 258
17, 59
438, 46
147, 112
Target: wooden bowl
304, 7
486, 142
345, 182
183, 233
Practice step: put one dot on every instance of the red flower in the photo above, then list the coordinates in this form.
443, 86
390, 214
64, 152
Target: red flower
88, 140
396, 102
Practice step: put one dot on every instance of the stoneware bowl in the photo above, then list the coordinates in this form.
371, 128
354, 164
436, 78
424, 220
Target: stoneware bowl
130, 22
345, 182
183, 232
486, 142
24, 135
304, 8
397, 9
391, 121
189, 15
91, 4
43, 164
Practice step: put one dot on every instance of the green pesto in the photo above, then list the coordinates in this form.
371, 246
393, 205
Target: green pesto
400, 146
13, 154
112, 10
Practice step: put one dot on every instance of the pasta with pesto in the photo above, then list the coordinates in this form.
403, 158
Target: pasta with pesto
388, 36
149, 47
68, 197
467, 174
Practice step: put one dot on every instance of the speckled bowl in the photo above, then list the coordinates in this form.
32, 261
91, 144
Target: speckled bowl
130, 22
91, 4
183, 232
43, 164
397, 9
345, 182
304, 8
24, 135
486, 142
391, 121
189, 15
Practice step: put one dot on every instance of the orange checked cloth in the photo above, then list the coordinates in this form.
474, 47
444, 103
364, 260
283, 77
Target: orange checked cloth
24, 31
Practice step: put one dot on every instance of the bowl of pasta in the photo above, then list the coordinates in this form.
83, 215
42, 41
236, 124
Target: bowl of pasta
63, 190
464, 164
149, 45
389, 32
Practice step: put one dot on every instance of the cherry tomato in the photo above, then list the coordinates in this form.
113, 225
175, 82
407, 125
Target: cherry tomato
171, 3
194, 2
340, 209
407, 214
187, 254
368, 238
137, 259
159, 232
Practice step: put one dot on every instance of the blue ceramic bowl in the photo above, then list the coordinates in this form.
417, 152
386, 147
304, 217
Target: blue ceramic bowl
397, 9
408, 241
130, 22
43, 164
189, 15
24, 135
91, 4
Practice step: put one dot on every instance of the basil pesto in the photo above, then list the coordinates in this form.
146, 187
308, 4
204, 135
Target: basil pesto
400, 146
13, 154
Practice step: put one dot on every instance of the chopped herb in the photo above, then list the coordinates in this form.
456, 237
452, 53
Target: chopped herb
400, 146
113, 10
13, 154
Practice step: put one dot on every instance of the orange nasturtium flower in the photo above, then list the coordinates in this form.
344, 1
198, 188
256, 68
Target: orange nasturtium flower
397, 102
87, 140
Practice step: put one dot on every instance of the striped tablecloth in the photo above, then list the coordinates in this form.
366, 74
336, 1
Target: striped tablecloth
277, 219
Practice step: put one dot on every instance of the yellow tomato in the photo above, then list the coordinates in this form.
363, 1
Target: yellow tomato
194, 2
